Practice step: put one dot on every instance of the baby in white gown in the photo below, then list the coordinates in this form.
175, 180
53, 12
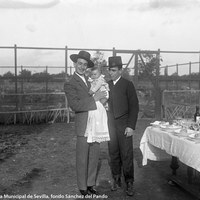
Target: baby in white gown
97, 127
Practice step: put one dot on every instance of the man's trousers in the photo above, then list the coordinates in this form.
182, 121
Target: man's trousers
87, 157
120, 149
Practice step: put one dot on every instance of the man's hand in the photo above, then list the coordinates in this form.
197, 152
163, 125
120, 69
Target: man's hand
99, 95
129, 132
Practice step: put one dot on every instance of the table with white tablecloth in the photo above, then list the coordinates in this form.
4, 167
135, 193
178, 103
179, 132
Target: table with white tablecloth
157, 145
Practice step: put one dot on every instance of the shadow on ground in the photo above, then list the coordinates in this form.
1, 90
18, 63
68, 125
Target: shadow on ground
39, 162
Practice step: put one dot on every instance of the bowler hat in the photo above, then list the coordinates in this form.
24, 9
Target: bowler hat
115, 61
84, 55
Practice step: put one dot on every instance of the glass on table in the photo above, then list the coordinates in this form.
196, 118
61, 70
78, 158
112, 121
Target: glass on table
185, 123
195, 126
178, 120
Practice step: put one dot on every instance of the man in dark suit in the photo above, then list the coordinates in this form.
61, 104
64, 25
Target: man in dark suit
122, 118
77, 92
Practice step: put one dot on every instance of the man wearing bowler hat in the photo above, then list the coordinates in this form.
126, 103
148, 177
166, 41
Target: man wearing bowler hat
122, 118
77, 92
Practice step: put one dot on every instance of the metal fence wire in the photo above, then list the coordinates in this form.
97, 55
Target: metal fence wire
39, 96
180, 103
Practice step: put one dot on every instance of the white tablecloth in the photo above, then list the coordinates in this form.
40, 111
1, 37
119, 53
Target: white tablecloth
156, 144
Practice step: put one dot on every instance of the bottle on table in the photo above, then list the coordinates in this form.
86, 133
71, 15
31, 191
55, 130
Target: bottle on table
197, 115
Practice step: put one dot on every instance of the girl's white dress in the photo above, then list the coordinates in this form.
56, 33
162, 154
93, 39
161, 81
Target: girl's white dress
97, 125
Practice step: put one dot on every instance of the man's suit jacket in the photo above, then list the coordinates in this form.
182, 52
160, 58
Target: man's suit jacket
79, 101
123, 101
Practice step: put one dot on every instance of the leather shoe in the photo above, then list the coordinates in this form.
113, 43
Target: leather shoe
116, 184
130, 189
84, 192
92, 190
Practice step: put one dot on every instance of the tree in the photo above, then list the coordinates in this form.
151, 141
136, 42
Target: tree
148, 69
8, 75
25, 74
175, 74
98, 59
147, 66
41, 76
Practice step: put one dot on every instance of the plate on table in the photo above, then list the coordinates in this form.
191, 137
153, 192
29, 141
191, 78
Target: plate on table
196, 140
183, 132
195, 137
156, 123
159, 123
170, 128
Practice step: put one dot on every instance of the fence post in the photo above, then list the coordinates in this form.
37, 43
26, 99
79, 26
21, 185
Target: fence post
16, 97
66, 59
158, 97
190, 65
15, 63
70, 70
177, 69
177, 76
47, 79
199, 70
166, 75
22, 80
136, 71
114, 51
21, 96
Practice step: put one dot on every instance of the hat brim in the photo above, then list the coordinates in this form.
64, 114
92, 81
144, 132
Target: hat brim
115, 65
74, 58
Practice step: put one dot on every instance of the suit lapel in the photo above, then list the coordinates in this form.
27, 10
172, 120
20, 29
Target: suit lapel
118, 82
88, 83
80, 82
111, 84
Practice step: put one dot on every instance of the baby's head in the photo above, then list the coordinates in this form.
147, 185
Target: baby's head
95, 72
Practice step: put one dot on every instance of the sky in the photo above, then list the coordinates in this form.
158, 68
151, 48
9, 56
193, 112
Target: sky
168, 25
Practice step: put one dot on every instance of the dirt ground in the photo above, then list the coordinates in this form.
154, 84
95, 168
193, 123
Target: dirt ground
38, 162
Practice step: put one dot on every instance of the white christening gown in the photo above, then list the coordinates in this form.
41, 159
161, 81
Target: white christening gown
97, 125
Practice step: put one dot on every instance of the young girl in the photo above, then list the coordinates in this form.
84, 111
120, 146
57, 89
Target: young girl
97, 128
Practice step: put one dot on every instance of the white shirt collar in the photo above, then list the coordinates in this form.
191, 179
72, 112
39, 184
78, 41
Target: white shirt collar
82, 77
79, 75
114, 82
